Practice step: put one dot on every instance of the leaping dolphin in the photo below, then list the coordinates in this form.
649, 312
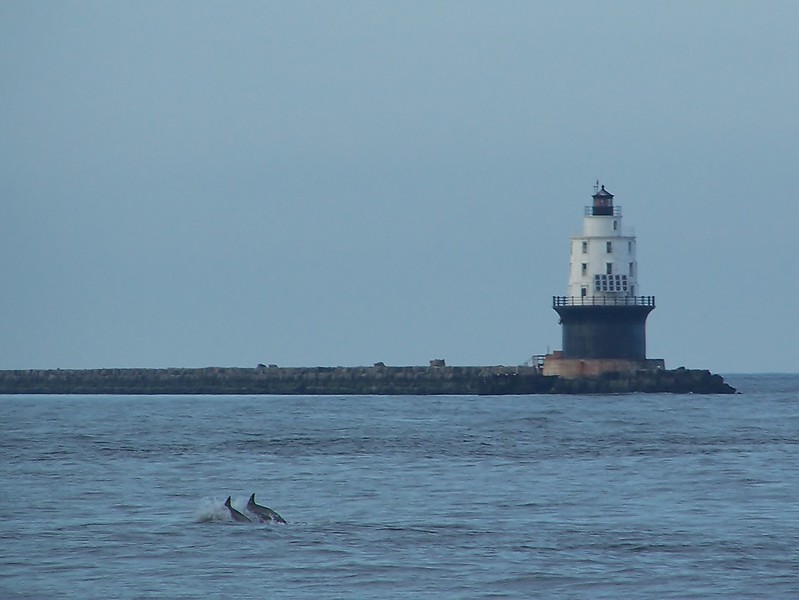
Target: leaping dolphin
262, 512
237, 516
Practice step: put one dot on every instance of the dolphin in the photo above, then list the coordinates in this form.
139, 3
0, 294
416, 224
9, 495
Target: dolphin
237, 516
262, 512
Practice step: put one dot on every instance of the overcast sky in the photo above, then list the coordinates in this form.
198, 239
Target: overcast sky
338, 183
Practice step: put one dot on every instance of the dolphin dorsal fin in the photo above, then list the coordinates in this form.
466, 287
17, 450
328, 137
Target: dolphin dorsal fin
252, 498
227, 502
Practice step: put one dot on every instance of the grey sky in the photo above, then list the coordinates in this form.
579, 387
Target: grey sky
337, 183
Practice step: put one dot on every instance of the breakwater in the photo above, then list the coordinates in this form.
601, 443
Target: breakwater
377, 380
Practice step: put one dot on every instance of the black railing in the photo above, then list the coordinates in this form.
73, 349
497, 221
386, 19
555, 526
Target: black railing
603, 211
603, 301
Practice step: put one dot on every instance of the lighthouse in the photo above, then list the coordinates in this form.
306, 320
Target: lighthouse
603, 316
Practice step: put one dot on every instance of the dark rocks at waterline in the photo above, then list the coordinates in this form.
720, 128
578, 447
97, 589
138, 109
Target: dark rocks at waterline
676, 381
376, 380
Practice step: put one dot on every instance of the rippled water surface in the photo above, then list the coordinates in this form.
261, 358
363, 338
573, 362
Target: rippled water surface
627, 496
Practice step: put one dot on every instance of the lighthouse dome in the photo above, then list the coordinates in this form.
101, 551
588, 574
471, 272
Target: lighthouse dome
602, 193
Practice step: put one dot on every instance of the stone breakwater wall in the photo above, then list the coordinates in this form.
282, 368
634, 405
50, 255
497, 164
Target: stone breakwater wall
377, 380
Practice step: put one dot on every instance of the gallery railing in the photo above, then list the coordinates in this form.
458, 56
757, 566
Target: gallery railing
603, 301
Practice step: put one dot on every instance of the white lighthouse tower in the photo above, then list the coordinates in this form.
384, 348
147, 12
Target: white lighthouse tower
603, 316
602, 264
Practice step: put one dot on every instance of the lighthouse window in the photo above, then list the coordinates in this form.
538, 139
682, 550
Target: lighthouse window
629, 247
585, 247
615, 225
609, 268
609, 247
585, 268
632, 269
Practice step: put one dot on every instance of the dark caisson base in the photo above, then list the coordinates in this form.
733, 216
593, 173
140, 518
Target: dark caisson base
604, 331
378, 380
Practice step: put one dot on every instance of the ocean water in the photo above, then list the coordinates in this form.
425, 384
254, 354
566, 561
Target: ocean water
622, 496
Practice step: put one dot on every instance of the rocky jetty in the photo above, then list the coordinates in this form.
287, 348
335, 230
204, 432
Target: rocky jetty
376, 380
